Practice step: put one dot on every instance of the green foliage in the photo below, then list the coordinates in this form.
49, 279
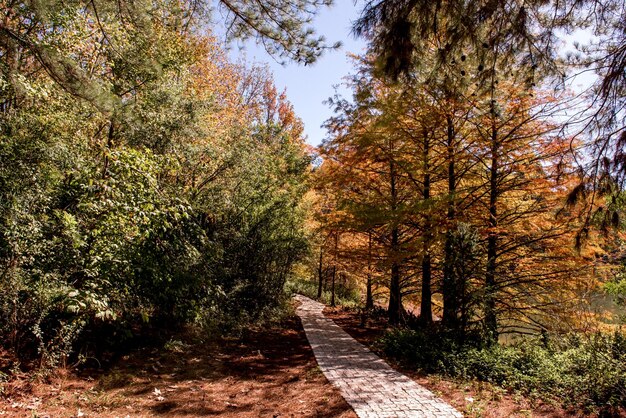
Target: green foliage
617, 290
298, 286
577, 370
418, 348
137, 191
280, 26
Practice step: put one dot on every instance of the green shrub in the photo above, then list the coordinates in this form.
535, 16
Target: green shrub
304, 287
419, 348
587, 371
98, 246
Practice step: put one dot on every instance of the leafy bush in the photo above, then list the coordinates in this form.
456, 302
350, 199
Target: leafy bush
586, 371
181, 206
300, 286
617, 290
418, 348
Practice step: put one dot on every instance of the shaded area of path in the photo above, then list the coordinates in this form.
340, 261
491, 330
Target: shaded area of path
367, 383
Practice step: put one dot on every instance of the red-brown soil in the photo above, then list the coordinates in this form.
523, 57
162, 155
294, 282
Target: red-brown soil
267, 373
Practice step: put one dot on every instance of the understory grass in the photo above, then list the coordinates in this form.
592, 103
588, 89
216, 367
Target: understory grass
577, 371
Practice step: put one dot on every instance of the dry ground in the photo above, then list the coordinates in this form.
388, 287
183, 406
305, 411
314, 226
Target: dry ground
269, 373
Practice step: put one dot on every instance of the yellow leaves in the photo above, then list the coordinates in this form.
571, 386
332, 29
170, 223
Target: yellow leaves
419, 160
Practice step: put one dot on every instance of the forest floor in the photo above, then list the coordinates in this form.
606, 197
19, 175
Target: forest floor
473, 399
270, 372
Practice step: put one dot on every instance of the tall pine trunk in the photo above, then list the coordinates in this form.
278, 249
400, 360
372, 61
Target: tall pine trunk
395, 290
332, 296
449, 288
491, 322
426, 312
332, 288
369, 298
320, 273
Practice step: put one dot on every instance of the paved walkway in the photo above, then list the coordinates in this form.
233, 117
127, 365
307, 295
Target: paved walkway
371, 387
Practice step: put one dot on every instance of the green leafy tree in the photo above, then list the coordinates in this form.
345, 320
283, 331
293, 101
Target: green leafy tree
140, 185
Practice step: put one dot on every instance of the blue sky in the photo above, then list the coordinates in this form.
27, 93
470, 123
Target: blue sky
307, 87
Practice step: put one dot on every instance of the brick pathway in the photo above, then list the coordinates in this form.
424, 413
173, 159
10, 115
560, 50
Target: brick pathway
369, 385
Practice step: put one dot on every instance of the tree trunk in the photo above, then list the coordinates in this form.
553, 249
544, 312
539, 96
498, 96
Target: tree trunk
332, 297
449, 287
369, 298
395, 293
426, 313
491, 322
320, 273
109, 145
395, 290
332, 292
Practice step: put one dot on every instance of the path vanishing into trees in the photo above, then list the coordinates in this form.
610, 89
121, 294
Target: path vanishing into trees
369, 385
